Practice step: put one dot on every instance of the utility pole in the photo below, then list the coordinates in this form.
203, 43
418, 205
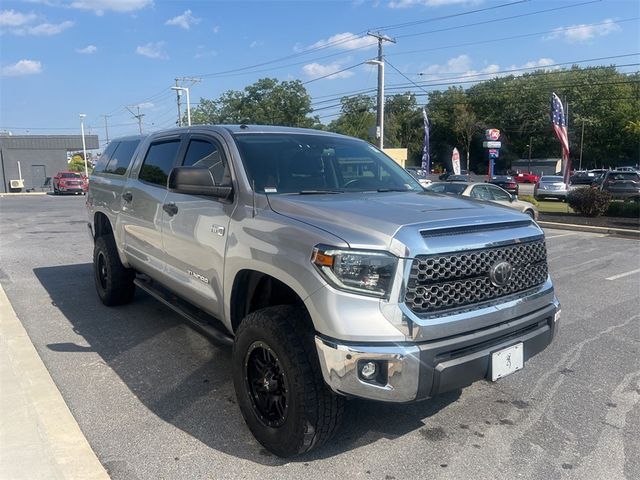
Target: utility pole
84, 146
529, 155
138, 117
179, 91
380, 62
106, 127
178, 94
581, 143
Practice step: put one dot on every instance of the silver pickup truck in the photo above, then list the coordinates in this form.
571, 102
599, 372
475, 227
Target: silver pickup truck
325, 264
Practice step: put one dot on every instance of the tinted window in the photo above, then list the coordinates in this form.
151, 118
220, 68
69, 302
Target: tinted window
551, 179
623, 176
481, 192
105, 157
292, 163
454, 188
206, 154
159, 162
499, 194
121, 158
71, 175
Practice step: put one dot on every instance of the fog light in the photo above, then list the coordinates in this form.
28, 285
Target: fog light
369, 370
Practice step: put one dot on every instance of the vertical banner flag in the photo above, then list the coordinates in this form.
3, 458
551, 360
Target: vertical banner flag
425, 147
559, 121
455, 161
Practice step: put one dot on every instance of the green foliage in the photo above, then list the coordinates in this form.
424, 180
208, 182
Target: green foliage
623, 209
356, 117
266, 102
589, 201
528, 198
76, 164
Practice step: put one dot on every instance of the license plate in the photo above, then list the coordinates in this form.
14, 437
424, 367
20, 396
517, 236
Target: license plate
506, 361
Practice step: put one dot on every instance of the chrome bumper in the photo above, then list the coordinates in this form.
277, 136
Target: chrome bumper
415, 371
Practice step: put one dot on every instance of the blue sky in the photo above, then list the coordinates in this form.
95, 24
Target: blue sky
59, 58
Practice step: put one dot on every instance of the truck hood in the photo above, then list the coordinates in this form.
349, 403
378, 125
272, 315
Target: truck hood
371, 220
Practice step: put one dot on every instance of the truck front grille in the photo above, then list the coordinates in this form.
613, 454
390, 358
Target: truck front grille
450, 281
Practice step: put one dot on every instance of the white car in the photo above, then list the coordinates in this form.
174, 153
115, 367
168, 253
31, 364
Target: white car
485, 191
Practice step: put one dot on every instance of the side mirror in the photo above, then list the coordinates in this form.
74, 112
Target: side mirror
197, 181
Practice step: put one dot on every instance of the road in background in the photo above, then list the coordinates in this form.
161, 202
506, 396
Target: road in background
156, 400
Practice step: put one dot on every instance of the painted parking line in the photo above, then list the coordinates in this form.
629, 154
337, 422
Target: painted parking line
626, 274
561, 235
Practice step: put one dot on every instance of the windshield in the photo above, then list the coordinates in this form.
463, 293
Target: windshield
71, 175
453, 188
307, 163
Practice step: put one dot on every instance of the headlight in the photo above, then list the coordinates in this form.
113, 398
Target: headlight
360, 271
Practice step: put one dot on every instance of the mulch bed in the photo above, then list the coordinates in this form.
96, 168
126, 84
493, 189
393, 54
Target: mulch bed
611, 222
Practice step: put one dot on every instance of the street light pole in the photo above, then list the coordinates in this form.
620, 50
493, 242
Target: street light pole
581, 143
529, 154
84, 145
380, 116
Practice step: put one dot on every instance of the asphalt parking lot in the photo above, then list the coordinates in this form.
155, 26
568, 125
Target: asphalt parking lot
155, 399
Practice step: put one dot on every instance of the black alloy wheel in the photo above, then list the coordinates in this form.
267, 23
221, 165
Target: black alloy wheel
267, 385
102, 273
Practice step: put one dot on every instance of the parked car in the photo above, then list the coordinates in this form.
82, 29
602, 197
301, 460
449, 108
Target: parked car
627, 169
526, 177
583, 178
70, 182
458, 178
621, 185
446, 175
550, 187
485, 191
419, 175
326, 265
506, 182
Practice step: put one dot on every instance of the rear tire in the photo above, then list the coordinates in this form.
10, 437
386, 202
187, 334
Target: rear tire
114, 282
287, 406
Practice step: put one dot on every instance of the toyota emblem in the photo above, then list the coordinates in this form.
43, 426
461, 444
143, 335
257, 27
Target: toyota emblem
500, 273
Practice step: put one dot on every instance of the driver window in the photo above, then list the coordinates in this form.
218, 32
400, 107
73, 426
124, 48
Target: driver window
207, 154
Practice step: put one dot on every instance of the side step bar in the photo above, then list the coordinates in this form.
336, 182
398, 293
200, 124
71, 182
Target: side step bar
205, 324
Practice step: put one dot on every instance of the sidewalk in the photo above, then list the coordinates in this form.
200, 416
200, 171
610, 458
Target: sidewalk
39, 438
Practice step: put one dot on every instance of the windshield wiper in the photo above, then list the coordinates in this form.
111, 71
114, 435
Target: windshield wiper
318, 192
393, 190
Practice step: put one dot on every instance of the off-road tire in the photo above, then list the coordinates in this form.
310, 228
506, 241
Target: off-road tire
314, 411
114, 282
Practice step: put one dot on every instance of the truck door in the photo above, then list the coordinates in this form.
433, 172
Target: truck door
195, 230
142, 199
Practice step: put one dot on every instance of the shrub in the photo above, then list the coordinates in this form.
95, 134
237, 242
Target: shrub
528, 198
589, 201
624, 209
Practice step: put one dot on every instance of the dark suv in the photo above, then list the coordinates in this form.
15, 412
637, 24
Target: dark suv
621, 185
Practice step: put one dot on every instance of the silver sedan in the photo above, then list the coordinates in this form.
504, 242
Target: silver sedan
485, 191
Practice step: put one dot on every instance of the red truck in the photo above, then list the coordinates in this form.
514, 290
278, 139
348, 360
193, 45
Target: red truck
70, 182
527, 177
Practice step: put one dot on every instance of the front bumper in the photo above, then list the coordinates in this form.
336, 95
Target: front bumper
416, 371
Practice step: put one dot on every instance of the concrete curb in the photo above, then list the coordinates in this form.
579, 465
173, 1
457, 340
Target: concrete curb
588, 228
39, 438
22, 194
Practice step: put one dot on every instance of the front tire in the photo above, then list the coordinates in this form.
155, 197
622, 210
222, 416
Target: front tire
279, 384
114, 282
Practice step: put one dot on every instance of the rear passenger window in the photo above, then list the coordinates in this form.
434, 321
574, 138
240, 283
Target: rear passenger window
121, 158
105, 157
206, 154
159, 162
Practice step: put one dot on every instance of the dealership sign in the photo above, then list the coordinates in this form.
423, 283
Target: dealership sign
492, 134
491, 144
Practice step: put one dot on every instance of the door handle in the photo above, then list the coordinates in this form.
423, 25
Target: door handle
170, 208
127, 196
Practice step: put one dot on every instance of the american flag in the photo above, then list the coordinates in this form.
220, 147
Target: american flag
425, 146
559, 121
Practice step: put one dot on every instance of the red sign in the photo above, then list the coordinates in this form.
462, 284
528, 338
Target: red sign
493, 134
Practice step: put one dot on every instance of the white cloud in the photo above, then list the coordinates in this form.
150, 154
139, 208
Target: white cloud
343, 41
152, 50
313, 70
88, 50
44, 29
215, 28
22, 67
584, 32
11, 18
147, 105
186, 20
427, 3
256, 43
460, 68
99, 7
17, 23
202, 52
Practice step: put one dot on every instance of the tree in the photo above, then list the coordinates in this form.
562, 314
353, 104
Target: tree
266, 102
357, 116
76, 164
466, 125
